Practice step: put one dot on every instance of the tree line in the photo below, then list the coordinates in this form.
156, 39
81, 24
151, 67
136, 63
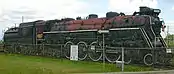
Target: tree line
170, 40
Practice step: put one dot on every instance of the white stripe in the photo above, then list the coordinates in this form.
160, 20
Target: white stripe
123, 28
89, 30
71, 31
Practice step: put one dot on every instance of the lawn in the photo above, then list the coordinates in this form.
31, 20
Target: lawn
20, 64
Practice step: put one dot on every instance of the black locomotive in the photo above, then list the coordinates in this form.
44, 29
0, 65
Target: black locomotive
138, 33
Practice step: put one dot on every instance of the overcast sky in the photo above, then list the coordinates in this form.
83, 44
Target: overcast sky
11, 11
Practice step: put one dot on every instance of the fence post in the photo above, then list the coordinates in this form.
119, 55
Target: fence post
14, 48
43, 51
103, 52
122, 66
61, 56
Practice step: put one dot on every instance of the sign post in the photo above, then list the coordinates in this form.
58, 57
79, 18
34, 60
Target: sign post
122, 63
103, 32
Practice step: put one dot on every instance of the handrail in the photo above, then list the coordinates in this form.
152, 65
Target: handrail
146, 37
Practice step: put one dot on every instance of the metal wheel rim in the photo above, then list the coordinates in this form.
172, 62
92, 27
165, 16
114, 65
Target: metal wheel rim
116, 55
86, 50
146, 60
98, 57
69, 49
111, 60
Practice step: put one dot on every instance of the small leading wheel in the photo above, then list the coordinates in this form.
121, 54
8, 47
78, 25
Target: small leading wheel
82, 50
67, 48
94, 51
148, 59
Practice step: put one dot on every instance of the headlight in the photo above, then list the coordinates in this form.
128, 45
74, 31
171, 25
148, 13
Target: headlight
157, 10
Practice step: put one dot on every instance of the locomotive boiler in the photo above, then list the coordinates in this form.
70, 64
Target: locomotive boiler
138, 33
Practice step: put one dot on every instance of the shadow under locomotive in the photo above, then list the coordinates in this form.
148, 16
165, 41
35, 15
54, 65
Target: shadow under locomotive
138, 34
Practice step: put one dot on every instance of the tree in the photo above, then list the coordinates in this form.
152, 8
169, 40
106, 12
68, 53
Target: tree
170, 40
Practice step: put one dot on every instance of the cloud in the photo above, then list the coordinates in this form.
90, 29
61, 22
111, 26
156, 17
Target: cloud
45, 9
11, 11
170, 27
129, 6
173, 8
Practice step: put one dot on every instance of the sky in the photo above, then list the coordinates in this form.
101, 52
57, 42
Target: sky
11, 11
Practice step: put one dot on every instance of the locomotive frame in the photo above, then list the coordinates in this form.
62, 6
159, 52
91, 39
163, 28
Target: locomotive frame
139, 35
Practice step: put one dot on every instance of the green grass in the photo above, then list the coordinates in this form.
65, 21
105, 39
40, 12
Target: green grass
20, 64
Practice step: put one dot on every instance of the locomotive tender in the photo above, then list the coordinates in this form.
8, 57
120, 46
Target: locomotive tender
140, 30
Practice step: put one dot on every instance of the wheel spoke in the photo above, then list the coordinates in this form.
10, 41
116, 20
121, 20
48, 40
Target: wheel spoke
82, 50
148, 59
67, 49
112, 55
94, 51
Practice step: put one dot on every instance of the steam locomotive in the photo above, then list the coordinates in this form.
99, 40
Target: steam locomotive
138, 33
